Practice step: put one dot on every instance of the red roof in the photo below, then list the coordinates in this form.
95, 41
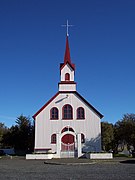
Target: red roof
67, 53
45, 105
67, 58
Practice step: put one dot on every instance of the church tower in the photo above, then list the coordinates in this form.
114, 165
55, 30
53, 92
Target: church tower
67, 72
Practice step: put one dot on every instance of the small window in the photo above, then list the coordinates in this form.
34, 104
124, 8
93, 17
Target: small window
67, 112
54, 113
53, 139
82, 138
80, 113
67, 77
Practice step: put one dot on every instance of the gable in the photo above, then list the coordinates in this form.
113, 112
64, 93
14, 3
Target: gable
62, 65
61, 101
43, 107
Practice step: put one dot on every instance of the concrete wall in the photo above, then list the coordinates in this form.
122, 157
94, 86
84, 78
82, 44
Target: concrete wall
39, 156
99, 155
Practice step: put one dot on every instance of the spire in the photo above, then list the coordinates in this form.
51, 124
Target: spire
67, 59
67, 53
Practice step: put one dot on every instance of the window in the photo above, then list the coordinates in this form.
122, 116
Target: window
54, 113
67, 129
67, 112
82, 138
53, 139
67, 77
80, 113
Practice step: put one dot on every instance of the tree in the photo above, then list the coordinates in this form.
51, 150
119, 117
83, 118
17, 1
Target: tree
107, 136
125, 130
3, 130
21, 136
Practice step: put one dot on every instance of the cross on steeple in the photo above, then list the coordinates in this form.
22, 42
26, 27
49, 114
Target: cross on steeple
67, 26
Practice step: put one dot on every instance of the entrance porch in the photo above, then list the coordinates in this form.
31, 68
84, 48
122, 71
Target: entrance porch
68, 145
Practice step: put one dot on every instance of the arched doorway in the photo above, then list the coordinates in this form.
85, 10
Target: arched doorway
68, 142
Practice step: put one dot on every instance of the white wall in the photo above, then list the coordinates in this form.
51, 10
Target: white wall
67, 69
67, 87
90, 126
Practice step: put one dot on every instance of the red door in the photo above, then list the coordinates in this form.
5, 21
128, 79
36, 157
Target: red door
67, 142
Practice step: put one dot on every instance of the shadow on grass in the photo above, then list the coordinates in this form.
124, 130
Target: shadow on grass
128, 162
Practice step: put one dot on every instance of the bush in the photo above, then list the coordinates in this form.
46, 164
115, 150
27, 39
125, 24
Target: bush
120, 155
133, 153
2, 153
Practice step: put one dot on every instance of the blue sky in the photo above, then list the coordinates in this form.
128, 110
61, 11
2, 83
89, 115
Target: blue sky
32, 45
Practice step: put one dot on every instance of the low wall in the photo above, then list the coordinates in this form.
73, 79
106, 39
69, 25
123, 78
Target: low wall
39, 156
99, 155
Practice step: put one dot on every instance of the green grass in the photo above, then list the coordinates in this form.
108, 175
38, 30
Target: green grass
121, 155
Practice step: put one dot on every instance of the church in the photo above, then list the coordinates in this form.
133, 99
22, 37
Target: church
67, 125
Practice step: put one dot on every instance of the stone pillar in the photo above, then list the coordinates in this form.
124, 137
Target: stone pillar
79, 145
58, 145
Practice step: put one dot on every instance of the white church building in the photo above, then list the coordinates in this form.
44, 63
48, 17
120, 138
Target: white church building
67, 125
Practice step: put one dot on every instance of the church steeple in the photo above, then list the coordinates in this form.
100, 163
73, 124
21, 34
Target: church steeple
67, 71
67, 58
67, 53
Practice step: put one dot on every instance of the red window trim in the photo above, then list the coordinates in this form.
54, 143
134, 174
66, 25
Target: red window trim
67, 129
67, 77
51, 114
77, 113
80, 118
53, 136
54, 119
63, 112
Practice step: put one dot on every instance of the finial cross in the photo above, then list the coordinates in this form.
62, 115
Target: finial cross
67, 26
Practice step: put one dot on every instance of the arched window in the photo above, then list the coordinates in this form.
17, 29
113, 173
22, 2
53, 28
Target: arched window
54, 114
67, 77
67, 112
53, 139
82, 138
80, 113
67, 128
